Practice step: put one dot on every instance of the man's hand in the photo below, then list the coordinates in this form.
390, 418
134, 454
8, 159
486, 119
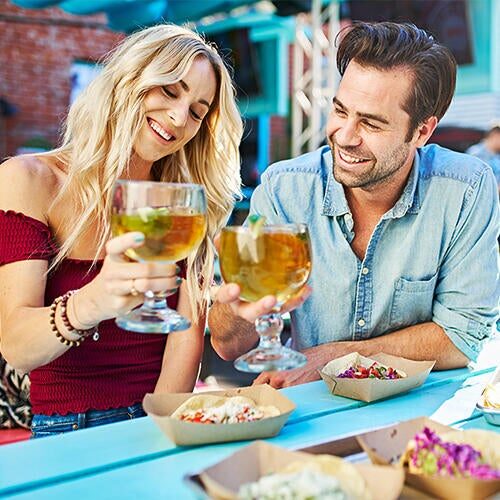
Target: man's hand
317, 357
229, 294
278, 380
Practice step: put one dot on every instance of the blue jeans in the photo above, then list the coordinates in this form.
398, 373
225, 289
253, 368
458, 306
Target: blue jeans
50, 425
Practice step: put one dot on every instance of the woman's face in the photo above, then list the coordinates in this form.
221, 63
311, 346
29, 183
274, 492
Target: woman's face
174, 113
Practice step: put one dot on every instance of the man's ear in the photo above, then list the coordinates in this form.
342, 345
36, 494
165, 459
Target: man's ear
424, 131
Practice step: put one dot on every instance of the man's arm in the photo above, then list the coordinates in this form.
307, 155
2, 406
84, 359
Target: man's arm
230, 335
426, 341
231, 321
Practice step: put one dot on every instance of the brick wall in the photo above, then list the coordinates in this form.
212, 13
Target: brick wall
37, 48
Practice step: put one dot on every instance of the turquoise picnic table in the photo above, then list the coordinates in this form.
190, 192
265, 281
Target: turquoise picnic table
133, 459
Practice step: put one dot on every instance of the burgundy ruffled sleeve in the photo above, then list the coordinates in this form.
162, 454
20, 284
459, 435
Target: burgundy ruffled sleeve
24, 238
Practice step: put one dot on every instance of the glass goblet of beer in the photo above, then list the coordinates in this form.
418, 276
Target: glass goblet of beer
275, 260
172, 218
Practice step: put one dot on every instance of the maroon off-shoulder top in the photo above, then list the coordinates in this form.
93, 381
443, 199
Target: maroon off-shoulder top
117, 370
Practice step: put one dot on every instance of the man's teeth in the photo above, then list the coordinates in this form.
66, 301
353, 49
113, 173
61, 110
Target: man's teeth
160, 130
350, 159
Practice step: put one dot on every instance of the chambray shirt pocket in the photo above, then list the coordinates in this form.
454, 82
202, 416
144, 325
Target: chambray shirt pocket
412, 302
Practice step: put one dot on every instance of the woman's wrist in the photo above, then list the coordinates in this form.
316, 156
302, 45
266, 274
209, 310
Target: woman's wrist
66, 333
85, 313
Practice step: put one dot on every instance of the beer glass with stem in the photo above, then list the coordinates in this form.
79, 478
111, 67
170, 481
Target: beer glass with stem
275, 260
172, 217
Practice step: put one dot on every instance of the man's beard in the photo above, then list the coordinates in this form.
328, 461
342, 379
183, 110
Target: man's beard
381, 171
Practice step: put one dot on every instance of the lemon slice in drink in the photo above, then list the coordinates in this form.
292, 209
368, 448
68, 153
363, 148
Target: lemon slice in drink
250, 243
256, 223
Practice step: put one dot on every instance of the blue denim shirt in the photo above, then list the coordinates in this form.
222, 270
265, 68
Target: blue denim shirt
432, 257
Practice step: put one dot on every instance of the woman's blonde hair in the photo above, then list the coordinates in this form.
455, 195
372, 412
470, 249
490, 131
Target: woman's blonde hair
104, 121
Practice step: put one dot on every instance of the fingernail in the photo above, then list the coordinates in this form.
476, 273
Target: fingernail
269, 302
139, 238
178, 280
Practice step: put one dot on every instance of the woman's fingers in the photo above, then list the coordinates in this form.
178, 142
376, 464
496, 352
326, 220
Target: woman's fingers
116, 246
143, 285
125, 270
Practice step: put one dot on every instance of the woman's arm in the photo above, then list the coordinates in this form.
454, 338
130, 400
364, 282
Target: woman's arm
27, 340
183, 353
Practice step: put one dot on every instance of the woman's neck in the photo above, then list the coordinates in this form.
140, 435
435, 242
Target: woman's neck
138, 170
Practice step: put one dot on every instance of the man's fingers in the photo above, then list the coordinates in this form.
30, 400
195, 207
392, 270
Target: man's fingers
115, 247
250, 311
225, 294
298, 300
263, 378
274, 379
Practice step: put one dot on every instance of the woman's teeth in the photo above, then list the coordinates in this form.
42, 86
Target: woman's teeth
159, 130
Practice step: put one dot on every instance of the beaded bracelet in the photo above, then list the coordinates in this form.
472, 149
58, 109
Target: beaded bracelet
64, 316
60, 337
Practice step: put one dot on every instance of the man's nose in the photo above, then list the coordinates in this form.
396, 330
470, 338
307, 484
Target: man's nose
348, 134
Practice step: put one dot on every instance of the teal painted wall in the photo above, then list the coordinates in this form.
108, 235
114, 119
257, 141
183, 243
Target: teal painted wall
272, 36
477, 77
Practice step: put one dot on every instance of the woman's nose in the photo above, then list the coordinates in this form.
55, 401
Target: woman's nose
179, 115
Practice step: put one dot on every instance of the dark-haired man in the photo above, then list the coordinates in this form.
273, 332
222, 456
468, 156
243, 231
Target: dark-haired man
404, 237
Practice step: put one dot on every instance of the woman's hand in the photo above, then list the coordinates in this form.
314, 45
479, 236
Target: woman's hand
120, 285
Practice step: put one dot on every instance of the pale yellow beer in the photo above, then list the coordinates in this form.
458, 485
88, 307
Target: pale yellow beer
169, 237
273, 262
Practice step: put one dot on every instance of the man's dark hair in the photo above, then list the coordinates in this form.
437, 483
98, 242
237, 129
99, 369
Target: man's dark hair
388, 45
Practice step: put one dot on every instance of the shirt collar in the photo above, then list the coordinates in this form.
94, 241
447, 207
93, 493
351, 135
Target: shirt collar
335, 202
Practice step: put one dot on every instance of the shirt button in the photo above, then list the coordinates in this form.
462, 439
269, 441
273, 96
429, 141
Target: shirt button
361, 322
75, 427
365, 270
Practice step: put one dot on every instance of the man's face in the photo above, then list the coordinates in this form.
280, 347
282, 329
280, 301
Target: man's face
367, 127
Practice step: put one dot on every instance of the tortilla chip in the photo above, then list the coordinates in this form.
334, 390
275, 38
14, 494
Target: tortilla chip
199, 402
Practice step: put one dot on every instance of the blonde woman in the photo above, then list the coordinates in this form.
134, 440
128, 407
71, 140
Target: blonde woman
163, 108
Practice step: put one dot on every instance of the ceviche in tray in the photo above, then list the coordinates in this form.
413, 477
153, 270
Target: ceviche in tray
467, 454
210, 409
321, 477
375, 370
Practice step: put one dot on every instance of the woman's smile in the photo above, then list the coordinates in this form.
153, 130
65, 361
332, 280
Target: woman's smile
160, 132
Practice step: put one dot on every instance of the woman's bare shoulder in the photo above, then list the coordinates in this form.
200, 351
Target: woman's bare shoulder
29, 183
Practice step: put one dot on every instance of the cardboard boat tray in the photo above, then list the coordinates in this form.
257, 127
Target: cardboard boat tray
346, 446
161, 406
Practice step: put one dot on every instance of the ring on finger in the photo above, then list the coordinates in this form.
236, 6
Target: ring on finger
133, 290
